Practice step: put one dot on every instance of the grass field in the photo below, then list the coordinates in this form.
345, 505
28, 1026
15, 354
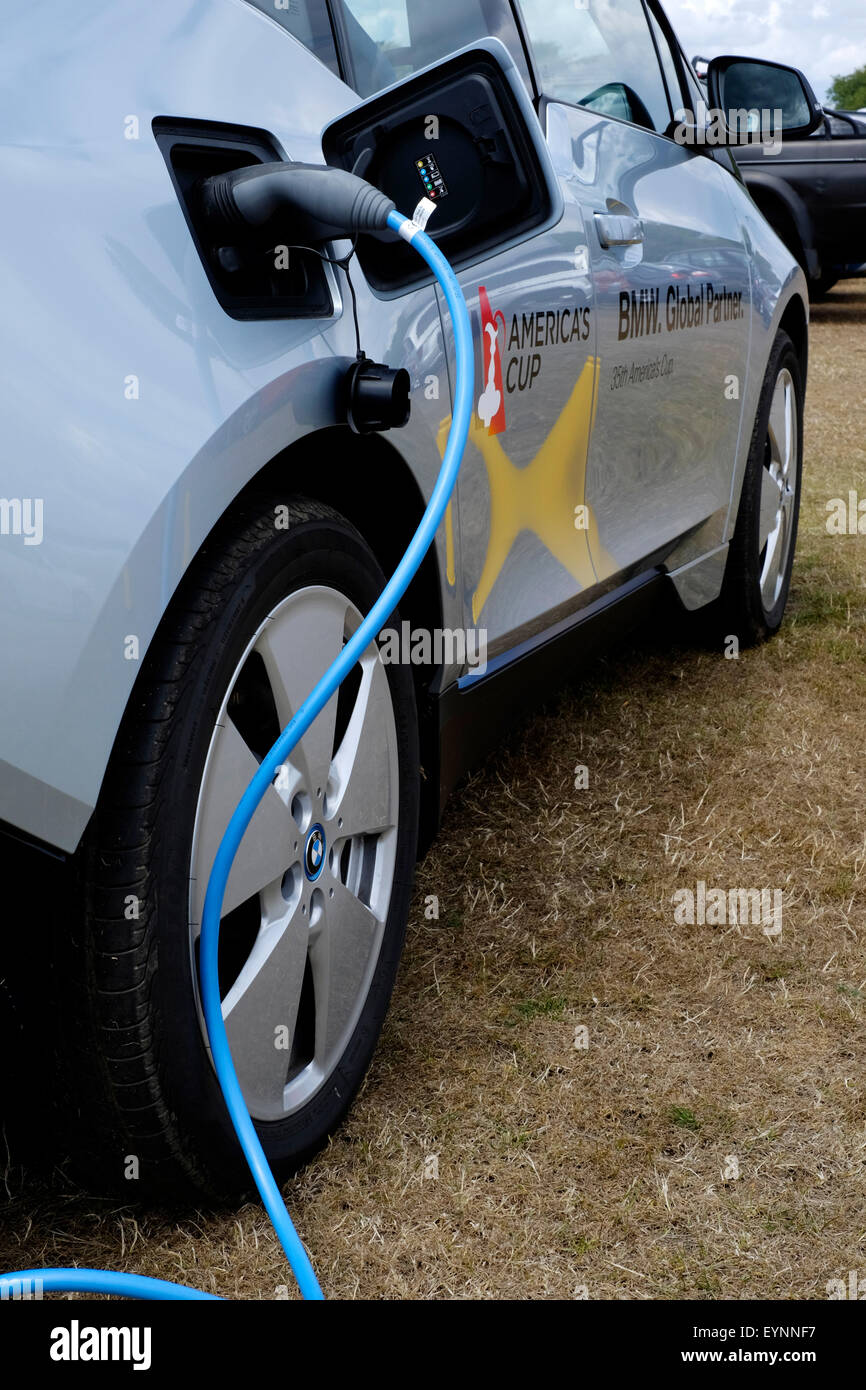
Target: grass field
706, 1138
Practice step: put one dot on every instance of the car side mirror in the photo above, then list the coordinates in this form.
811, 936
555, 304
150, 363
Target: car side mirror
756, 99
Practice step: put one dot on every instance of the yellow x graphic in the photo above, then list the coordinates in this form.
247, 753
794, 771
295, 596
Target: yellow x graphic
547, 497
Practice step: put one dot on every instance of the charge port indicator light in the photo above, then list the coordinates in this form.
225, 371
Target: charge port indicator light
434, 184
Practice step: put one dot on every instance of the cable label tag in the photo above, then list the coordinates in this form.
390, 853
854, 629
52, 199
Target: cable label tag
422, 214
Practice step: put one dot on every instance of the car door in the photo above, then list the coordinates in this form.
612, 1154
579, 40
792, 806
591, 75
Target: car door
521, 548
524, 529
671, 279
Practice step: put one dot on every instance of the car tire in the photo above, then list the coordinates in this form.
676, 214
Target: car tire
761, 557
821, 287
253, 626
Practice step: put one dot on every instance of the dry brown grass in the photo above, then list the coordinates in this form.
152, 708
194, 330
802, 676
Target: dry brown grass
605, 1167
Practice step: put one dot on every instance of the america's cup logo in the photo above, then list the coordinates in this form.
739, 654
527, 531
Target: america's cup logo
491, 403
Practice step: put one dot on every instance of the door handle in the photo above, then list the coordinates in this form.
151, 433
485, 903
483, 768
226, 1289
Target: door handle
617, 229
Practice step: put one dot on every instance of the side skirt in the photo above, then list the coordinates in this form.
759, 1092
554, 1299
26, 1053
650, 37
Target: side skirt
476, 711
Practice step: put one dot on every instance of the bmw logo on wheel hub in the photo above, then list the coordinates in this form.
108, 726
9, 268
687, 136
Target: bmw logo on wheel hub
314, 853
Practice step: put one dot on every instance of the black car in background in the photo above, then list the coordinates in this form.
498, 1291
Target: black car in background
813, 194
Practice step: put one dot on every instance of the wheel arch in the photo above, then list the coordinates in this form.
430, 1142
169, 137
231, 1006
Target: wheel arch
787, 214
369, 481
792, 319
795, 322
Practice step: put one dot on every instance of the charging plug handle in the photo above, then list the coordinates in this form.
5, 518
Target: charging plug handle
324, 204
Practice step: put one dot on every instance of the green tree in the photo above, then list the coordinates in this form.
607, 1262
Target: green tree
849, 93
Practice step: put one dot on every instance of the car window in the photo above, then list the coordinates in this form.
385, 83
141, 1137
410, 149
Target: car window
840, 127
600, 54
385, 40
307, 21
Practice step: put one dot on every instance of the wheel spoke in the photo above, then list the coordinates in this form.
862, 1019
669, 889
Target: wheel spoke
261, 1009
775, 554
362, 800
781, 428
340, 954
771, 500
778, 484
264, 852
297, 647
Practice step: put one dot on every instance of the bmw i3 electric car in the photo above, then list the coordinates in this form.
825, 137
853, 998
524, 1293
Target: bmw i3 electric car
193, 519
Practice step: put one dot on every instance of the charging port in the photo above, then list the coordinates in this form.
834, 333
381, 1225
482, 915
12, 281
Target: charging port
464, 135
251, 282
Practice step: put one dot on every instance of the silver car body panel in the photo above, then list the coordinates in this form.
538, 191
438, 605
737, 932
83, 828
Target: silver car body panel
135, 409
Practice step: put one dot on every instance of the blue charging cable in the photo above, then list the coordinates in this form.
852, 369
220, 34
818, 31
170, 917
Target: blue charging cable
135, 1285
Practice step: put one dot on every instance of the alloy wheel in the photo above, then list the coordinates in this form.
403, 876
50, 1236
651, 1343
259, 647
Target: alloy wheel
307, 900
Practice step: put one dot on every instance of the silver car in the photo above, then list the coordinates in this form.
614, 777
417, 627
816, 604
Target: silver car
192, 522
